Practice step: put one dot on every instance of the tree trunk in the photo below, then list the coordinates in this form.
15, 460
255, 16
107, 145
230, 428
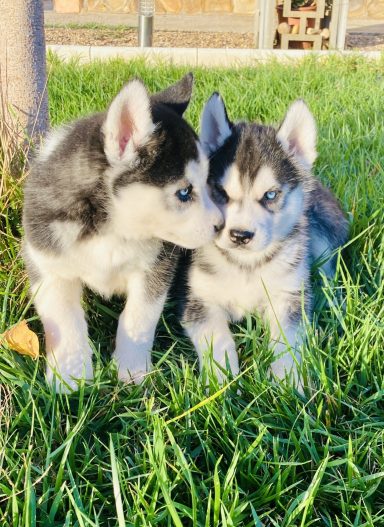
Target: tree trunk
23, 95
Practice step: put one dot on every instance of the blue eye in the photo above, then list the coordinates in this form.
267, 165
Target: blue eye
185, 194
270, 195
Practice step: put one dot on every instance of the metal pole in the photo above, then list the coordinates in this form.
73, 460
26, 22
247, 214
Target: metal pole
146, 12
261, 22
268, 24
256, 23
342, 25
266, 12
334, 24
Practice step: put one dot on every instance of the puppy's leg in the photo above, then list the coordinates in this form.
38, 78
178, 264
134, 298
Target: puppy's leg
137, 325
208, 327
285, 320
286, 341
68, 353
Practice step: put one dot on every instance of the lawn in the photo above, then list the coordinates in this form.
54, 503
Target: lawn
177, 451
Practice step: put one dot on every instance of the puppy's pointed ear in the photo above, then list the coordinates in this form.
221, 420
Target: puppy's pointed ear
128, 124
215, 125
176, 96
297, 133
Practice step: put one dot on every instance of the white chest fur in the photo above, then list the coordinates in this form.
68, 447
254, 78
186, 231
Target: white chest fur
104, 262
241, 291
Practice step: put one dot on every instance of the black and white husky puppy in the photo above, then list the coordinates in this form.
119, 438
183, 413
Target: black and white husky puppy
278, 219
107, 198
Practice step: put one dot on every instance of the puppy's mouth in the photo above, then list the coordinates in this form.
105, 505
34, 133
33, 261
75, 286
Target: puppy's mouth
256, 248
232, 246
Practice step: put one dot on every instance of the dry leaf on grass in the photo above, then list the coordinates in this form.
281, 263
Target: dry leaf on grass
21, 339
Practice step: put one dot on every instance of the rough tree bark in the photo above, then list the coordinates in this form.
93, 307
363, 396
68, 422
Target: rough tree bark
22, 67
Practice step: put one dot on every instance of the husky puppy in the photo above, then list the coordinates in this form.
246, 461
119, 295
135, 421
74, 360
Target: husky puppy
107, 198
278, 219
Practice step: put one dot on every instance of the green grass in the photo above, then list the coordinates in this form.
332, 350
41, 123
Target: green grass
176, 453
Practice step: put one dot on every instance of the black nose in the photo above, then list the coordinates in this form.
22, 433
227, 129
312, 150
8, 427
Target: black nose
240, 237
219, 227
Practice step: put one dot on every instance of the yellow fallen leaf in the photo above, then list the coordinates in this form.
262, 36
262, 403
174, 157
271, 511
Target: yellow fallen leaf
21, 339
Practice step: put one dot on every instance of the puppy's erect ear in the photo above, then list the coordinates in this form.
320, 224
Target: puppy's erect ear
215, 125
297, 133
128, 124
176, 96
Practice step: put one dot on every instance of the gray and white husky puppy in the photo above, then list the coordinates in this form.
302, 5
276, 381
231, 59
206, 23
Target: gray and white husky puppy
278, 219
106, 199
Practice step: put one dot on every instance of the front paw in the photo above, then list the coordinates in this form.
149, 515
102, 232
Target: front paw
223, 375
128, 376
131, 368
286, 365
222, 363
67, 367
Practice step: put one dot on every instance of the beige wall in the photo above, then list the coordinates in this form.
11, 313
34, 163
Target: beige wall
367, 8
358, 8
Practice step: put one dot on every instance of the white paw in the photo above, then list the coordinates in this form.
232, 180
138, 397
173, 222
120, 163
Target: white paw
131, 368
286, 365
222, 376
136, 376
224, 362
66, 369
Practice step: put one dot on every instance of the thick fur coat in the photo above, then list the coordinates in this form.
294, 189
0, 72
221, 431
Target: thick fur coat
278, 220
108, 201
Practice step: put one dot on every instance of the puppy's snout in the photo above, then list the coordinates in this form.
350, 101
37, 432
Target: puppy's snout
240, 237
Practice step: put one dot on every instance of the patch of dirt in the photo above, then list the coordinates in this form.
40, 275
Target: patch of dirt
365, 41
161, 39
185, 39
